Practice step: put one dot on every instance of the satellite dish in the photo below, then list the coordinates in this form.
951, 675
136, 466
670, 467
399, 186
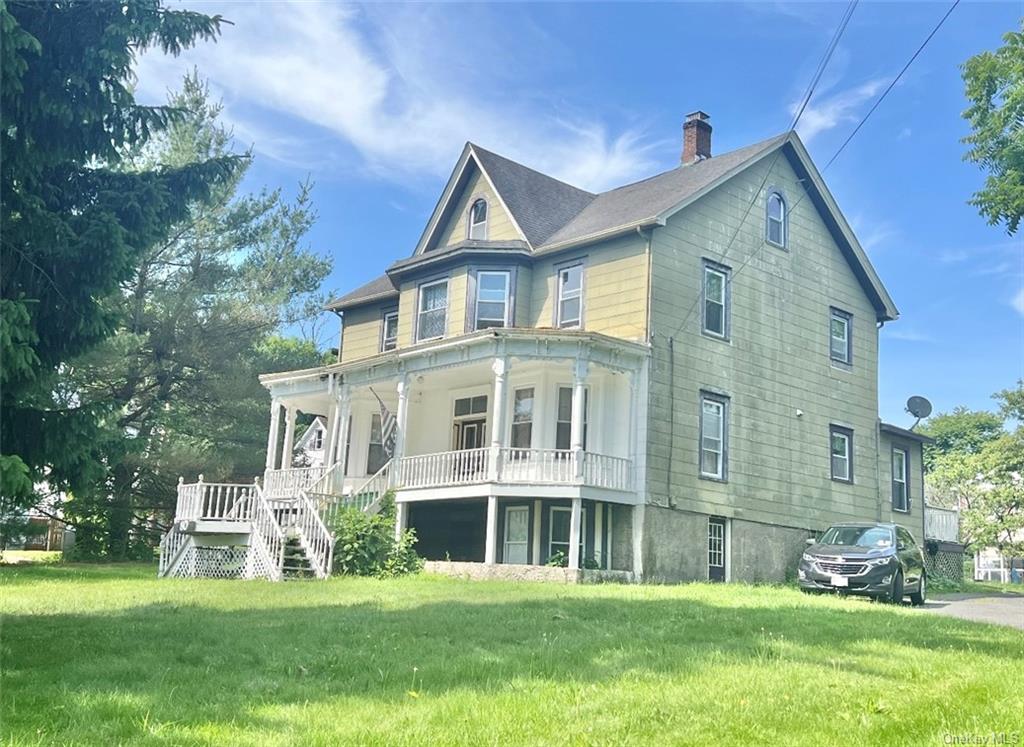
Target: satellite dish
919, 407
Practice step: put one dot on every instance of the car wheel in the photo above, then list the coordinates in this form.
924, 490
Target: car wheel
896, 590
919, 596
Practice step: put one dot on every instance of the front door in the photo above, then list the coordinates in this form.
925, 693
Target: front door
517, 535
716, 549
469, 434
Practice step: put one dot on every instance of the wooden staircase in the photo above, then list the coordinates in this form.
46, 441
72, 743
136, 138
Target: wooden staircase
296, 564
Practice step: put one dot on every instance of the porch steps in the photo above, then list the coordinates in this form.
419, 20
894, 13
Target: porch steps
296, 564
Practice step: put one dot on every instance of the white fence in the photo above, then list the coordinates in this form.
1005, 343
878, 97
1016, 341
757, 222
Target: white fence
288, 483
941, 524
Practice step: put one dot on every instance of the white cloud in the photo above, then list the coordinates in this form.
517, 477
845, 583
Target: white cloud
1017, 301
905, 335
825, 112
384, 85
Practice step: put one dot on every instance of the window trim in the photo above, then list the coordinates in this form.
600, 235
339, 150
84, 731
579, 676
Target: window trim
725, 271
470, 225
474, 309
392, 312
586, 414
559, 269
906, 478
512, 416
847, 433
835, 312
583, 530
529, 531
419, 307
723, 458
776, 192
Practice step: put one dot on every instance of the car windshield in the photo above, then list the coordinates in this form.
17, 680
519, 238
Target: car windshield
858, 536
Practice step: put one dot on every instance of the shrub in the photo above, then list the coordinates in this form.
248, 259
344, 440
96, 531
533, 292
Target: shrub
365, 544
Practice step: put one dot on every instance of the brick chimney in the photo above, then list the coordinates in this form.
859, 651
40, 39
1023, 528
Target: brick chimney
696, 137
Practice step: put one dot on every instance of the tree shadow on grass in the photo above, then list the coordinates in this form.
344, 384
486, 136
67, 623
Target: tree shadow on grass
195, 665
18, 574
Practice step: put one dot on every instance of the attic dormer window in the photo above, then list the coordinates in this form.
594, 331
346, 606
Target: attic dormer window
478, 220
776, 220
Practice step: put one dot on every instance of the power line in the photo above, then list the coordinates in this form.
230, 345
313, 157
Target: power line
894, 82
816, 78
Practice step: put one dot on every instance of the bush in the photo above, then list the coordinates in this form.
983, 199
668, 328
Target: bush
365, 544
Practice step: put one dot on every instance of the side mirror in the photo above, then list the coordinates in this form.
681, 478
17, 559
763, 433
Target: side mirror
810, 541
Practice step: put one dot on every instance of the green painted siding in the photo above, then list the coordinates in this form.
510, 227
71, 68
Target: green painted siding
914, 518
775, 364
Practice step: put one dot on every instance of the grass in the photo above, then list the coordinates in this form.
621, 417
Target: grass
111, 655
30, 556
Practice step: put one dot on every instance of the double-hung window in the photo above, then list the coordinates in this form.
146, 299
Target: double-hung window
840, 337
522, 419
559, 531
432, 313
492, 299
569, 312
840, 441
389, 332
714, 424
900, 493
478, 220
775, 220
563, 425
317, 441
716, 300
375, 455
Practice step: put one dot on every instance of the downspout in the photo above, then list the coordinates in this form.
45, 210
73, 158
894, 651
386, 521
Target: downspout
671, 419
650, 286
341, 329
878, 440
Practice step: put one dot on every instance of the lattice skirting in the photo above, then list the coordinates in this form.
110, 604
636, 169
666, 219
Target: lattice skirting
946, 564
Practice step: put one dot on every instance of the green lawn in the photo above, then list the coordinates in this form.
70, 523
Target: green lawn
104, 655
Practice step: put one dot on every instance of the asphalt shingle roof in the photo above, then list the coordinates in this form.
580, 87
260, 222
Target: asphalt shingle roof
376, 288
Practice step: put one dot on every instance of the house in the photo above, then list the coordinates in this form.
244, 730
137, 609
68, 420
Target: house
309, 449
675, 379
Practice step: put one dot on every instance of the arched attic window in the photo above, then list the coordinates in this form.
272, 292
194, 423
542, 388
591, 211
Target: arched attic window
775, 220
478, 220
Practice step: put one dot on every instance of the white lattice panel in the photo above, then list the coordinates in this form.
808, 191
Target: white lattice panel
218, 562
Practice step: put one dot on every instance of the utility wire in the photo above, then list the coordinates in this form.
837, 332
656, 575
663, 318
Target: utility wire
816, 78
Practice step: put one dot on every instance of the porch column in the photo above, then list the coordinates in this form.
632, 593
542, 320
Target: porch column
574, 533
491, 541
401, 519
500, 368
289, 437
275, 427
340, 440
401, 421
579, 400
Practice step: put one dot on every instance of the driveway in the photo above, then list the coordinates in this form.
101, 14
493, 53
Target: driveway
1001, 609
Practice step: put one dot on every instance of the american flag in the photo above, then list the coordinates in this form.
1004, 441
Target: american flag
388, 427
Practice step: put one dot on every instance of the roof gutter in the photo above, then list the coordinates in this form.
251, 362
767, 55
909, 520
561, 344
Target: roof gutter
601, 235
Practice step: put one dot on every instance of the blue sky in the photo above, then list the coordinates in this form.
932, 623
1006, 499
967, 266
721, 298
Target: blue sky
375, 103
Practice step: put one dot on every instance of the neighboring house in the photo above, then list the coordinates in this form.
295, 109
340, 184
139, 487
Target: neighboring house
309, 450
675, 379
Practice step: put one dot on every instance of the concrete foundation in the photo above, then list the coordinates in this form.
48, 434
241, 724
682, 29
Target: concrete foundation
674, 545
765, 552
510, 572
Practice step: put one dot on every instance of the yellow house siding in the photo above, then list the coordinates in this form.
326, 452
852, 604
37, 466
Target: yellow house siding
775, 364
499, 226
614, 288
361, 332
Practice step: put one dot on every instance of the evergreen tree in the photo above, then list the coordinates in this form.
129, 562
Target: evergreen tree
74, 223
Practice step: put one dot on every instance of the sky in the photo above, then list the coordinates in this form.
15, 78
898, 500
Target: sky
374, 103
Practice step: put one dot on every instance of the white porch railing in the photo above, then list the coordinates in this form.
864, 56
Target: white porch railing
522, 466
170, 548
213, 501
288, 483
941, 524
445, 468
267, 537
365, 498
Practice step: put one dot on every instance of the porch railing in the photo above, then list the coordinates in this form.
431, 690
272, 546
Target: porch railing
213, 501
446, 468
523, 466
363, 498
288, 483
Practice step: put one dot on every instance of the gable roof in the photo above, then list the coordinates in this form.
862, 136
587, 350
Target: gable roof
552, 215
319, 424
540, 204
647, 200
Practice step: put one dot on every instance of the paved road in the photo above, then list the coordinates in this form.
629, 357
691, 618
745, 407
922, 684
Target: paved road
1002, 609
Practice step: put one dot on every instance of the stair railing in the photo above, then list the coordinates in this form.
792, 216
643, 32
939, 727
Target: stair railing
172, 545
267, 536
316, 540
